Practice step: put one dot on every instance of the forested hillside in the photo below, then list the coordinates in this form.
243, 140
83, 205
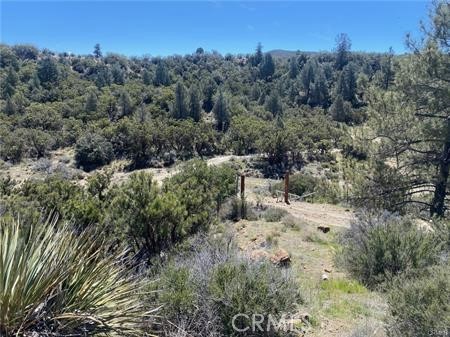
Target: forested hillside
128, 252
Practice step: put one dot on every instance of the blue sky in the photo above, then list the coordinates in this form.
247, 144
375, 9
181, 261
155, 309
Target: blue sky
170, 27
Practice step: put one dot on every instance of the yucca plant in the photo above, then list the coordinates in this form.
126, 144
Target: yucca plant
55, 281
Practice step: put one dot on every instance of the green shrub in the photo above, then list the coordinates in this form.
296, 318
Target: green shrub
377, 247
93, 150
419, 305
54, 282
274, 214
242, 287
202, 289
147, 218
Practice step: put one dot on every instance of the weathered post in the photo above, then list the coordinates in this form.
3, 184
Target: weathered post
286, 187
242, 186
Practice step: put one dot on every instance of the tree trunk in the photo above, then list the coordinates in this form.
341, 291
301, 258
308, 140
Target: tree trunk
438, 204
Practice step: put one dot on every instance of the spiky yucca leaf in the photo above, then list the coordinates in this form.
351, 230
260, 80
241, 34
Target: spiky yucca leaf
53, 280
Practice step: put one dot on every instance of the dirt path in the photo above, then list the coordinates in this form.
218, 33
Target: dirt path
159, 174
315, 214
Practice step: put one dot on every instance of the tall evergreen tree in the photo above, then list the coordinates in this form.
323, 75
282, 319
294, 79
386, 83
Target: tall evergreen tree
47, 70
118, 74
343, 46
319, 90
146, 77
97, 51
267, 66
258, 57
293, 68
194, 104
307, 76
340, 110
221, 112
10, 107
274, 105
208, 91
162, 74
180, 108
103, 76
91, 102
10, 82
125, 105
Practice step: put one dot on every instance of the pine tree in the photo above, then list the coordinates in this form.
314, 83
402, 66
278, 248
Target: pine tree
258, 57
221, 112
416, 119
194, 104
293, 68
319, 90
343, 45
161, 74
146, 77
274, 105
10, 107
97, 51
9, 85
340, 110
47, 70
346, 85
180, 109
125, 104
91, 102
307, 76
209, 90
118, 75
267, 67
103, 77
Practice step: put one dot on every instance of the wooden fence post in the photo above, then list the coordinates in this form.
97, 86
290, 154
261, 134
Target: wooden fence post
242, 186
286, 187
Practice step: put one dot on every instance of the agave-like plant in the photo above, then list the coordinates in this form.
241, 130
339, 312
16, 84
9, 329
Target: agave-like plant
55, 281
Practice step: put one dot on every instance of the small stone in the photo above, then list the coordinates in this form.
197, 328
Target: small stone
324, 277
327, 270
324, 229
281, 257
305, 317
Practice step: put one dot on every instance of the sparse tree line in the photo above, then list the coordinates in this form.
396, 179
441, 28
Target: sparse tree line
54, 100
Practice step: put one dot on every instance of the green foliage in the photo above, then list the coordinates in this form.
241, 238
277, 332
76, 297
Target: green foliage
152, 219
149, 219
240, 287
161, 75
267, 67
221, 112
47, 71
343, 45
70, 201
419, 304
202, 290
180, 108
274, 214
377, 248
57, 282
93, 150
194, 104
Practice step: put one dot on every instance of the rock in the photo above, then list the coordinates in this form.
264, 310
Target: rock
281, 257
324, 229
324, 277
305, 317
327, 270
